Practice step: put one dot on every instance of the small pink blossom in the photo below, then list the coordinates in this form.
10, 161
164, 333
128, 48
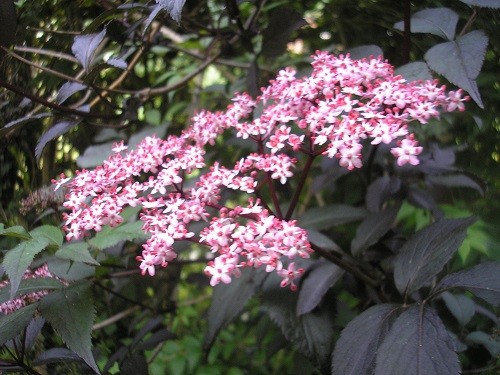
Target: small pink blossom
343, 105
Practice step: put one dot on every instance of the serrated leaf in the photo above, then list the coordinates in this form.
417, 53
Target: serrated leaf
461, 306
55, 131
369, 50
228, 301
50, 232
32, 331
111, 236
71, 312
493, 4
357, 346
489, 342
77, 252
56, 355
69, 270
438, 21
68, 89
282, 22
460, 61
372, 228
326, 217
29, 286
321, 277
312, 333
11, 126
12, 324
173, 8
17, 260
483, 280
84, 47
417, 344
15, 231
414, 71
427, 251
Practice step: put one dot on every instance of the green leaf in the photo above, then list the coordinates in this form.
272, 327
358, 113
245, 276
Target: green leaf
77, 252
17, 260
417, 344
111, 236
483, 280
357, 346
29, 286
12, 324
460, 61
320, 277
312, 333
326, 217
15, 231
229, 300
71, 312
438, 21
51, 233
427, 251
461, 306
372, 228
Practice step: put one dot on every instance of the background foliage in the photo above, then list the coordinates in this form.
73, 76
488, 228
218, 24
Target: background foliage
78, 76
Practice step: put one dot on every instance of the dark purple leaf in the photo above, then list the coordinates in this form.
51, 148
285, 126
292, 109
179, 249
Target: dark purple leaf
312, 333
357, 346
134, 364
55, 131
172, 7
283, 21
438, 21
13, 125
461, 306
71, 312
421, 198
417, 344
117, 63
414, 71
320, 240
12, 324
372, 228
228, 301
8, 23
483, 280
460, 61
380, 190
427, 251
321, 277
57, 355
32, 331
85, 46
490, 342
156, 338
68, 89
494, 4
147, 328
455, 180
326, 217
371, 50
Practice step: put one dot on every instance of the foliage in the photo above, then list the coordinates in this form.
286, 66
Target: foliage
404, 273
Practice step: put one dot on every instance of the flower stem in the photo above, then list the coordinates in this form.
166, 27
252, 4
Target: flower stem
300, 186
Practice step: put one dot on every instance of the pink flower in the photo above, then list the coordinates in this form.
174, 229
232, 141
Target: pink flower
334, 112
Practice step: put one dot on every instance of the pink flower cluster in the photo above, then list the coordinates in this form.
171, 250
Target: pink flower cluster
25, 299
342, 105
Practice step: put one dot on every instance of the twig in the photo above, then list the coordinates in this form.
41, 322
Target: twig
40, 51
115, 318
